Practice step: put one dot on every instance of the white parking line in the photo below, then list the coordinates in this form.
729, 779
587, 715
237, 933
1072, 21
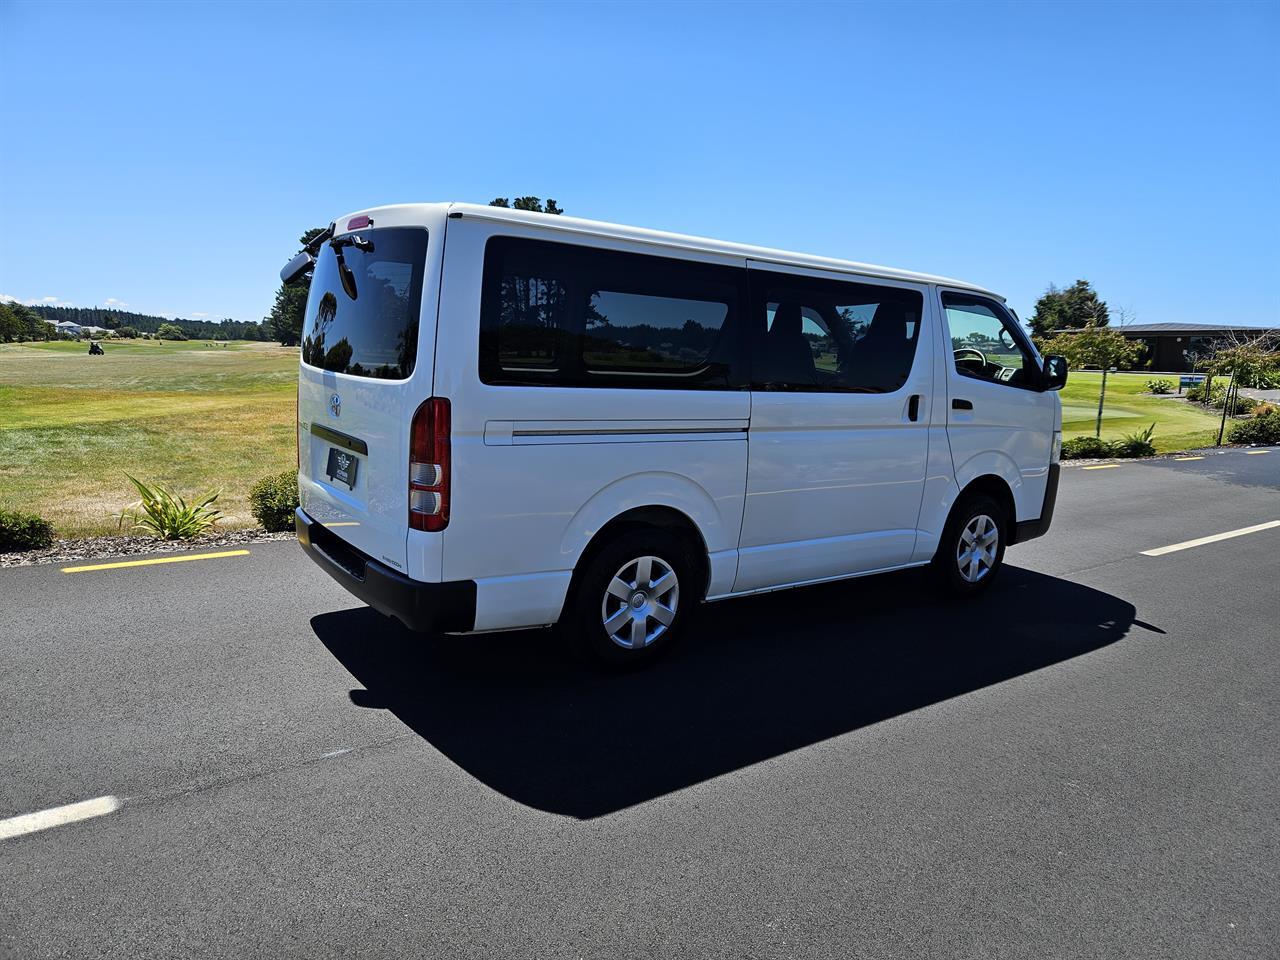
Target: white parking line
1200, 542
57, 816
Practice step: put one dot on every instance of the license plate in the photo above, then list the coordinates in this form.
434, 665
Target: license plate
342, 467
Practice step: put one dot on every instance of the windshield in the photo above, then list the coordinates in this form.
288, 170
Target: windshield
362, 312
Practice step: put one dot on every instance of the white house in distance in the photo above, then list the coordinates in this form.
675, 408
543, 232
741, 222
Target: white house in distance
76, 329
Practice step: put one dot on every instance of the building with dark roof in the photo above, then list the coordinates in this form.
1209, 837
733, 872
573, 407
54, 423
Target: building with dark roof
1173, 347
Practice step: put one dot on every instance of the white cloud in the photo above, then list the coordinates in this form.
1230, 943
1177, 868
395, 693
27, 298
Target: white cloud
113, 302
38, 301
199, 314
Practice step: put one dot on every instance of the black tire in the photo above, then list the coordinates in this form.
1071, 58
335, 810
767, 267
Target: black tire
947, 561
584, 619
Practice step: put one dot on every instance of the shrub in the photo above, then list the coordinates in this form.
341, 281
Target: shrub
1263, 429
1239, 406
23, 531
273, 500
1085, 448
169, 516
1137, 444
1160, 386
1264, 408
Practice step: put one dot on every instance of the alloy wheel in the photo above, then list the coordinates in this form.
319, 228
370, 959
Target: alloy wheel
640, 602
977, 548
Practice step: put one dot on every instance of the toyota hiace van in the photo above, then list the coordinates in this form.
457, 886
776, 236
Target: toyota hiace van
511, 419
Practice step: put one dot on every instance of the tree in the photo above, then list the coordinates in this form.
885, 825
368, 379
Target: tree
527, 203
170, 331
1095, 346
287, 312
1074, 308
20, 322
127, 332
11, 328
1249, 361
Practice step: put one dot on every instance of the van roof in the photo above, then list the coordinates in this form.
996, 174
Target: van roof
675, 241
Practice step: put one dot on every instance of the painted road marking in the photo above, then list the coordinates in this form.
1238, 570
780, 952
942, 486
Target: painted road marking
57, 816
1183, 459
1188, 544
1103, 466
1250, 453
342, 523
152, 561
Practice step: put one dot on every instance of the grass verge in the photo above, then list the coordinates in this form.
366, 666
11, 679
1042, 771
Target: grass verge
187, 415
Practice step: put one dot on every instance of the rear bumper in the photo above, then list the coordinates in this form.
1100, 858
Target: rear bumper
1030, 529
443, 607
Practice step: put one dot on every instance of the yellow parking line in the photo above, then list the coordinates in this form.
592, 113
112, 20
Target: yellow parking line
1181, 459
154, 560
1252, 452
1102, 466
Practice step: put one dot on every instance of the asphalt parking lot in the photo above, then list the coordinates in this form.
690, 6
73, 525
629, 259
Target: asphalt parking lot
1083, 763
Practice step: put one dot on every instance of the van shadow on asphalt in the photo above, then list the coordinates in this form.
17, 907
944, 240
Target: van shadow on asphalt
755, 678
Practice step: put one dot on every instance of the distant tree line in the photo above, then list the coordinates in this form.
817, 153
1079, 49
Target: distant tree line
21, 322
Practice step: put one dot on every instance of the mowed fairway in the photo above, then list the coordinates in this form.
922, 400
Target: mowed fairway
1130, 407
188, 415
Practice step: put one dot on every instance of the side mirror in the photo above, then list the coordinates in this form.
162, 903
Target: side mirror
1053, 375
295, 269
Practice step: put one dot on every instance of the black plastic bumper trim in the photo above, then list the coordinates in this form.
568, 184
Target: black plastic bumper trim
426, 607
1030, 529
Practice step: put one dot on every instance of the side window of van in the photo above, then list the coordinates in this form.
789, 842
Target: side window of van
558, 314
985, 341
831, 336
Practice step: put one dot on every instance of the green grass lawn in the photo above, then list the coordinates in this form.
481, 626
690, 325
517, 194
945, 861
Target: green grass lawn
1130, 407
188, 415
195, 417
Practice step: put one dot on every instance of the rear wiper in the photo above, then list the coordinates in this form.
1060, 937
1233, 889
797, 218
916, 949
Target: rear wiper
349, 278
352, 240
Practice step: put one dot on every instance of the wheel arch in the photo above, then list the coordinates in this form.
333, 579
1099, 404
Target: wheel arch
654, 516
997, 488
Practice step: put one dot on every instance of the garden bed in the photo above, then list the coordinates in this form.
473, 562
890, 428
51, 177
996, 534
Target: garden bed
102, 548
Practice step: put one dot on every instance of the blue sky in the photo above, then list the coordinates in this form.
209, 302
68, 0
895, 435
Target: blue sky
167, 156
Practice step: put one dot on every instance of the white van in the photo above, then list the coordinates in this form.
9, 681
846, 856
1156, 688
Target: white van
512, 419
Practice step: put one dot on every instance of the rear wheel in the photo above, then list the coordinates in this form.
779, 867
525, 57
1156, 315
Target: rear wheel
631, 597
971, 552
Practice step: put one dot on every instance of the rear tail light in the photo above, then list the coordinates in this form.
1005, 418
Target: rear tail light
429, 466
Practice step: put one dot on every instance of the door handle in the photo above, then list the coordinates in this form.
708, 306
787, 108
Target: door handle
961, 404
913, 408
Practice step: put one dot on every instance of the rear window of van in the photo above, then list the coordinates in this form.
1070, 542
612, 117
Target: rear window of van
366, 295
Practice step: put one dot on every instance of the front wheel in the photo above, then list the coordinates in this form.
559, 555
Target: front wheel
632, 596
971, 552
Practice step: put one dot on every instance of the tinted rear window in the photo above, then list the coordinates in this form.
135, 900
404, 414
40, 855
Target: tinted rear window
559, 314
366, 326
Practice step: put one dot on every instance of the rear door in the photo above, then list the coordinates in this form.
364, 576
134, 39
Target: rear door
365, 368
842, 383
